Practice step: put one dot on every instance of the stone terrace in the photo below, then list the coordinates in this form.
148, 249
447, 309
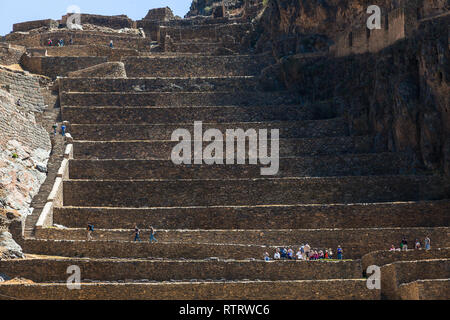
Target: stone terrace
215, 222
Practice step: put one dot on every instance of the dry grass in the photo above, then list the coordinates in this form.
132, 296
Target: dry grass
13, 67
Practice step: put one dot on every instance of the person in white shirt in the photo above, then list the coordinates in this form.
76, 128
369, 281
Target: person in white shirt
307, 250
277, 256
299, 255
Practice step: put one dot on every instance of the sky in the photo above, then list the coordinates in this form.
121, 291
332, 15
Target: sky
15, 11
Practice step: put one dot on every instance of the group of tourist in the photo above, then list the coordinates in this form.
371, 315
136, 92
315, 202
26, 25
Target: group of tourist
137, 233
63, 129
59, 43
417, 244
305, 252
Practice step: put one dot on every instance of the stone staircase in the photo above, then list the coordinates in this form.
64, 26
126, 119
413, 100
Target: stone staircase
214, 223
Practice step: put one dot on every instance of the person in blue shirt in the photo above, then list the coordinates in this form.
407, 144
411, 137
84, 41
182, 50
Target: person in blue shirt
283, 253
63, 130
339, 253
90, 229
152, 235
137, 233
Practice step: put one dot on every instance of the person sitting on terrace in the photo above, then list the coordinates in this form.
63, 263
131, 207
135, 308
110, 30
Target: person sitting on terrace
290, 254
299, 254
307, 250
321, 255
330, 253
392, 248
266, 256
49, 42
277, 256
283, 253
417, 244
326, 256
111, 44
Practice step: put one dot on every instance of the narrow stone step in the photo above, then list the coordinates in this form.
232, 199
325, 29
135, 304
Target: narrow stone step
211, 48
381, 258
283, 191
122, 99
287, 129
206, 31
403, 272
370, 215
52, 270
120, 249
325, 165
196, 66
159, 84
354, 242
354, 289
162, 150
172, 115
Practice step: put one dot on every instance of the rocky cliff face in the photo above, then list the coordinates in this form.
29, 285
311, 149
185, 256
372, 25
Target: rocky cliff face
204, 7
399, 95
24, 151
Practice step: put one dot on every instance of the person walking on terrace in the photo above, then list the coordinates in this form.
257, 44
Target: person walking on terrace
137, 233
90, 229
427, 243
152, 235
339, 253
63, 130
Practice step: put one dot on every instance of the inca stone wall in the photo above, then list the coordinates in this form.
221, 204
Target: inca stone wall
283, 290
25, 144
10, 54
36, 270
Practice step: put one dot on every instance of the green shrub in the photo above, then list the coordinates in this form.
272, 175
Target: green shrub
208, 10
15, 155
265, 3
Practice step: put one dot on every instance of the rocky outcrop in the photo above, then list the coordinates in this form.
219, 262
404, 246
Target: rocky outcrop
205, 7
10, 54
24, 152
9, 249
399, 95
103, 70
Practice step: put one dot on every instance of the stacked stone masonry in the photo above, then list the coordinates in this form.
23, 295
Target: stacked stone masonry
214, 223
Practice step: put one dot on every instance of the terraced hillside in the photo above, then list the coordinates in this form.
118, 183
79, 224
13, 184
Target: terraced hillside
215, 222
